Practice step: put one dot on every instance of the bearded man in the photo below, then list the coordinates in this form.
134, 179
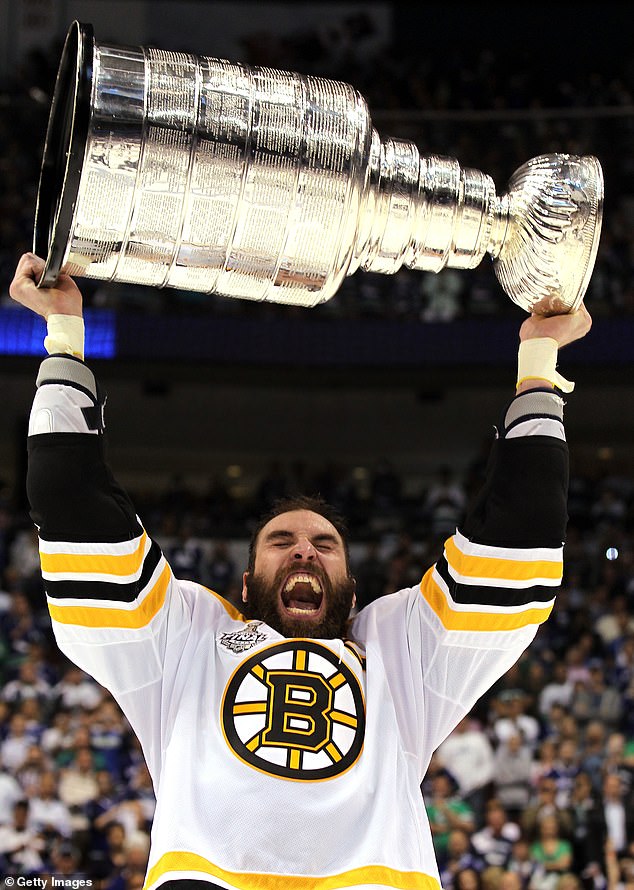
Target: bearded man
287, 743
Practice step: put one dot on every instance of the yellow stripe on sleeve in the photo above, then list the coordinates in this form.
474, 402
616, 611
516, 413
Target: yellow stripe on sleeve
96, 616
94, 563
453, 619
512, 569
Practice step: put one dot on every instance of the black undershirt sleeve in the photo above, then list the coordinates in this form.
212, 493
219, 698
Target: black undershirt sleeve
72, 493
524, 500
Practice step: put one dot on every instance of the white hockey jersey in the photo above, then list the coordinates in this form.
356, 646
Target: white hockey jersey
290, 764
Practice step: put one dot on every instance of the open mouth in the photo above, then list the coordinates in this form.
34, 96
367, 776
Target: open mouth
302, 595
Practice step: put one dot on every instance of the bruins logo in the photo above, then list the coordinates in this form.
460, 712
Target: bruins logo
296, 711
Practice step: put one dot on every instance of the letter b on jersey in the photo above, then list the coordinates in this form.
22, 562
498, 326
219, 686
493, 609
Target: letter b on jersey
299, 710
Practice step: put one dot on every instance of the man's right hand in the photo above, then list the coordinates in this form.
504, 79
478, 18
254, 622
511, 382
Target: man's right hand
63, 299
563, 328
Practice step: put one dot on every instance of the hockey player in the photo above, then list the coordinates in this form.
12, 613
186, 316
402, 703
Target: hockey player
286, 744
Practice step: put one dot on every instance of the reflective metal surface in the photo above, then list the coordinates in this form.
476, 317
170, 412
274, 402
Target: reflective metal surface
554, 211
195, 173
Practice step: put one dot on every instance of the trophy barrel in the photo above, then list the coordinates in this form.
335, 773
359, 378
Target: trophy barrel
168, 169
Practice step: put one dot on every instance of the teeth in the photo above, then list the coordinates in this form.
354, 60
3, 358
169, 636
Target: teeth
295, 611
303, 578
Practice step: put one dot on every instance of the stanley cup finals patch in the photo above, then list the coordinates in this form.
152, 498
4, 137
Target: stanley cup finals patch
245, 638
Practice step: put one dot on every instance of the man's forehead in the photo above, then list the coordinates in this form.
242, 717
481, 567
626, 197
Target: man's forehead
300, 522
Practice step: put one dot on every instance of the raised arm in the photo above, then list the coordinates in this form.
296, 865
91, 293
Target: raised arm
450, 638
107, 582
524, 501
72, 494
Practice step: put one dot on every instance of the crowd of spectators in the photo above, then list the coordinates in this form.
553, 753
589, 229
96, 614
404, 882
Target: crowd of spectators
536, 785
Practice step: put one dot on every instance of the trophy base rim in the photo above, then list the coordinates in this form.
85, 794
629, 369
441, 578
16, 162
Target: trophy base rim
64, 149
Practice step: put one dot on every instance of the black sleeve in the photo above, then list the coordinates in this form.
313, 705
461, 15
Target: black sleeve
72, 493
524, 499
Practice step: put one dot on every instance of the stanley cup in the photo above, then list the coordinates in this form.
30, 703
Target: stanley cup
174, 170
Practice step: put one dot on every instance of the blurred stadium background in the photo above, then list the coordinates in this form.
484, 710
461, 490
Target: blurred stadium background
384, 397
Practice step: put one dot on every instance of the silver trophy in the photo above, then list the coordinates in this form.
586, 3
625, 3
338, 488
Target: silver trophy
173, 170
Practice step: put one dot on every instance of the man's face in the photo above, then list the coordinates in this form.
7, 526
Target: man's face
300, 584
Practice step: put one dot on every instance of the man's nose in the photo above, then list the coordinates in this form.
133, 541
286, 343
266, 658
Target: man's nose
303, 549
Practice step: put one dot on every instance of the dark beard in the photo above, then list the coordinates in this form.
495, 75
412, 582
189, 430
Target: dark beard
263, 604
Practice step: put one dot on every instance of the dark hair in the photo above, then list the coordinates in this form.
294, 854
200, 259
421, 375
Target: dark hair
457, 880
314, 503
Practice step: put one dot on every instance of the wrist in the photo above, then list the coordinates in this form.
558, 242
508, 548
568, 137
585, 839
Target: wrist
533, 383
65, 335
537, 365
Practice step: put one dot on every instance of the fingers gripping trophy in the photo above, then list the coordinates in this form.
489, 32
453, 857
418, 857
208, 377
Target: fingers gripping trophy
174, 170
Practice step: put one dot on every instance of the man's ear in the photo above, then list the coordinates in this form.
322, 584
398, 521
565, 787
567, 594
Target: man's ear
245, 577
354, 594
